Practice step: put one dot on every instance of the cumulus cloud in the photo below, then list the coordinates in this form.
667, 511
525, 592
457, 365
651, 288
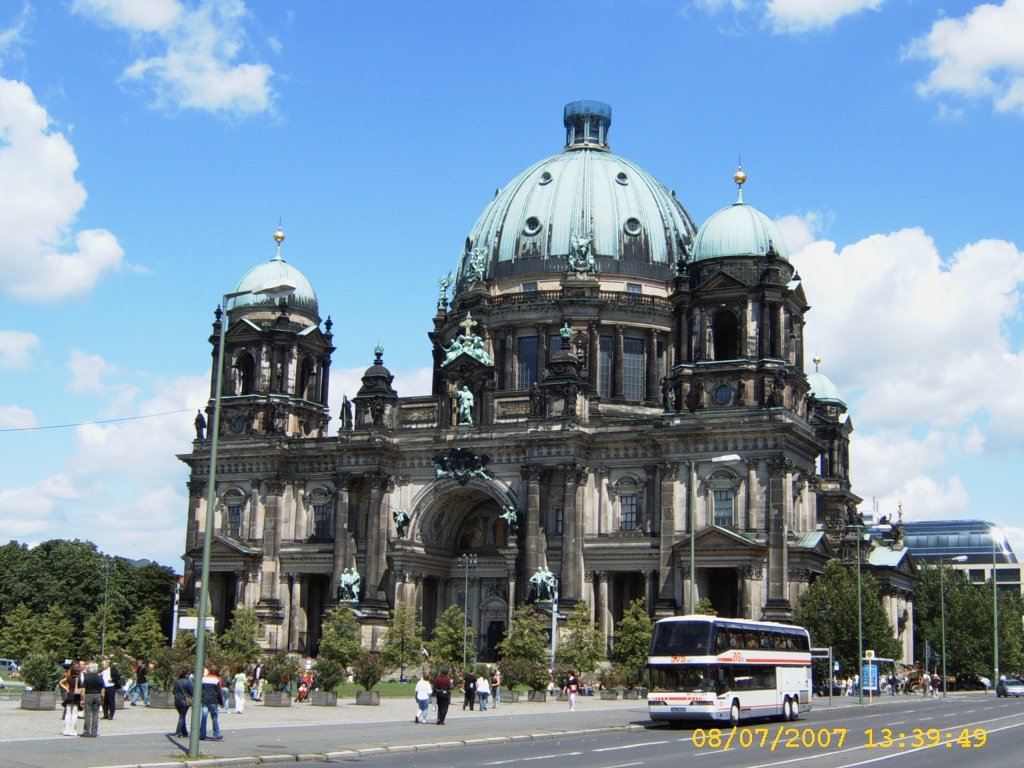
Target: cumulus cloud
16, 348
978, 55
15, 417
27, 512
190, 54
87, 372
12, 35
41, 256
792, 16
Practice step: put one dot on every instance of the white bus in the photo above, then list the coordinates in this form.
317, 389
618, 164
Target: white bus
707, 668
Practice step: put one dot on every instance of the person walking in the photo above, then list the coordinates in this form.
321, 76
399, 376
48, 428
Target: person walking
424, 690
211, 699
239, 682
93, 685
483, 691
572, 686
183, 692
111, 682
468, 690
141, 684
496, 687
68, 685
442, 695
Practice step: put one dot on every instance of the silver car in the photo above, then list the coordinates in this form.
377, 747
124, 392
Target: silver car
1011, 686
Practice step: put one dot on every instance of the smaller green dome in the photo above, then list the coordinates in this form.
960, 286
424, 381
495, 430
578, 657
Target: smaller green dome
277, 271
823, 389
738, 230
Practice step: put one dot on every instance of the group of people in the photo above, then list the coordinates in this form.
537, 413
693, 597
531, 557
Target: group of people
216, 693
88, 692
476, 690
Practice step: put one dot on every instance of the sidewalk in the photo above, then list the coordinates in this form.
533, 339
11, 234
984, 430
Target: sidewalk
140, 736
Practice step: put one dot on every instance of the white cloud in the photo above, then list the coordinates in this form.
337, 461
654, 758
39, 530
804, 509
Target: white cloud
16, 348
27, 512
12, 35
978, 55
87, 372
807, 15
39, 199
191, 53
15, 417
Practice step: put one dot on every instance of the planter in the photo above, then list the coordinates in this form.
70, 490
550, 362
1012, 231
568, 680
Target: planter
368, 698
118, 701
277, 699
161, 699
509, 697
324, 699
538, 696
630, 693
609, 695
39, 700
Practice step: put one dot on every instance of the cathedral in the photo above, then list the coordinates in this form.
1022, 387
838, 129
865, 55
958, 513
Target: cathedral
619, 410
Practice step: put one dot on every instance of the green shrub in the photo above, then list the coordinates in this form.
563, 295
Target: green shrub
329, 674
40, 672
368, 668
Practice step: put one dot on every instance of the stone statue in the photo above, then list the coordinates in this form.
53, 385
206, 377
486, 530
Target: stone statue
465, 398
580, 258
401, 518
511, 516
346, 414
348, 586
544, 585
200, 423
476, 270
442, 290
538, 401
468, 343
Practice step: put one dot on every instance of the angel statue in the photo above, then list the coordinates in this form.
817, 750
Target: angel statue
581, 257
348, 586
401, 518
511, 516
442, 290
544, 585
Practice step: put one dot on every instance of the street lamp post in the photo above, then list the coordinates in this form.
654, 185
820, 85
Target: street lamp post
554, 623
995, 611
860, 623
105, 567
942, 601
281, 287
465, 562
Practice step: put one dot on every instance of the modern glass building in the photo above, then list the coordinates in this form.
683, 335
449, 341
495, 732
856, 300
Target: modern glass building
984, 545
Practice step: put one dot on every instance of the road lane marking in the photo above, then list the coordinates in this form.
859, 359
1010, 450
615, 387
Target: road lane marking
535, 757
631, 746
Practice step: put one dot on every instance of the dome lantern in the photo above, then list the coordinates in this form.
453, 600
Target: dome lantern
586, 125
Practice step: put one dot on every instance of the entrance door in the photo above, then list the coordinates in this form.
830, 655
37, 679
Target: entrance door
723, 591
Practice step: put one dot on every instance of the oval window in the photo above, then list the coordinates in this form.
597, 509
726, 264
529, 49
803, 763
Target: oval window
622, 178
632, 227
722, 394
532, 226
545, 178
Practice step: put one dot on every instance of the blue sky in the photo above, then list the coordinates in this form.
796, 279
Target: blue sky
149, 148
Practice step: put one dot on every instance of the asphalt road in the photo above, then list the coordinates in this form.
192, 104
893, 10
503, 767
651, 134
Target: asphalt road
901, 732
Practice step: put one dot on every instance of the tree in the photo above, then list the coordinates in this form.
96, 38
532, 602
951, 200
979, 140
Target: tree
632, 640
828, 609
93, 635
400, 646
450, 641
580, 649
341, 638
237, 646
704, 607
524, 650
18, 634
145, 635
55, 634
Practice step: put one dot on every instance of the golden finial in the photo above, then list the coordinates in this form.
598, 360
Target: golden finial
739, 177
817, 361
279, 235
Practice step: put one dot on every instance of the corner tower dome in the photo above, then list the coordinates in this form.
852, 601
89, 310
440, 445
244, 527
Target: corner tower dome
739, 230
277, 270
631, 222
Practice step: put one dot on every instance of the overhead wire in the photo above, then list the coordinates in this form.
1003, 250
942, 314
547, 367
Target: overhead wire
94, 421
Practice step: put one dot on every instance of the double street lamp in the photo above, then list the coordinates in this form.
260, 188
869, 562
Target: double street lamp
942, 601
281, 287
466, 562
105, 568
995, 609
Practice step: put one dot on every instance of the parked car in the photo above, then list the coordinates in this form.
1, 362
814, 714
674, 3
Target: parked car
9, 664
1010, 686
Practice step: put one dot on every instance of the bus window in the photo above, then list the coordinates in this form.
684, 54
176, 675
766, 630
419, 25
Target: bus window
681, 638
680, 678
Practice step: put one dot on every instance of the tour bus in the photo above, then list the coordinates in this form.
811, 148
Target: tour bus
707, 668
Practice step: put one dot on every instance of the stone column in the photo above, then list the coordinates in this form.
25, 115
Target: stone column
653, 383
340, 559
255, 516
617, 363
534, 544
765, 330
777, 606
376, 540
510, 574
294, 601
604, 505
751, 521
604, 617
271, 539
650, 584
572, 545
594, 356
542, 350
666, 584
508, 371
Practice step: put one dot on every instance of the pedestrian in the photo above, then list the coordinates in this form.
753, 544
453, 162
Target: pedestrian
468, 690
183, 692
111, 682
68, 684
93, 686
141, 684
483, 691
572, 686
496, 687
211, 698
424, 690
442, 695
239, 682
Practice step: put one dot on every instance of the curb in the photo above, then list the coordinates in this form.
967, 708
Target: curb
359, 753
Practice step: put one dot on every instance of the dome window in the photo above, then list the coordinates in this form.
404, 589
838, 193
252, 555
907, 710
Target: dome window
545, 178
622, 178
532, 226
632, 227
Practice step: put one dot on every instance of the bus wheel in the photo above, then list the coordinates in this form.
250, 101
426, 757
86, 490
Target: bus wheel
734, 714
787, 709
794, 708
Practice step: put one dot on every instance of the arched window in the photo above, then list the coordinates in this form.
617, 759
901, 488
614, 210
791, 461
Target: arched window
246, 367
723, 491
307, 380
630, 497
234, 506
725, 334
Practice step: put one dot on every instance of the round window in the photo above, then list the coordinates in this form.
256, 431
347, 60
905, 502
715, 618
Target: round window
632, 227
722, 394
622, 178
532, 226
545, 178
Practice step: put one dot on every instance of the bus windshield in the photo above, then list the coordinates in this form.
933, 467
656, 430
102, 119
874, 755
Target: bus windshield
681, 638
696, 678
